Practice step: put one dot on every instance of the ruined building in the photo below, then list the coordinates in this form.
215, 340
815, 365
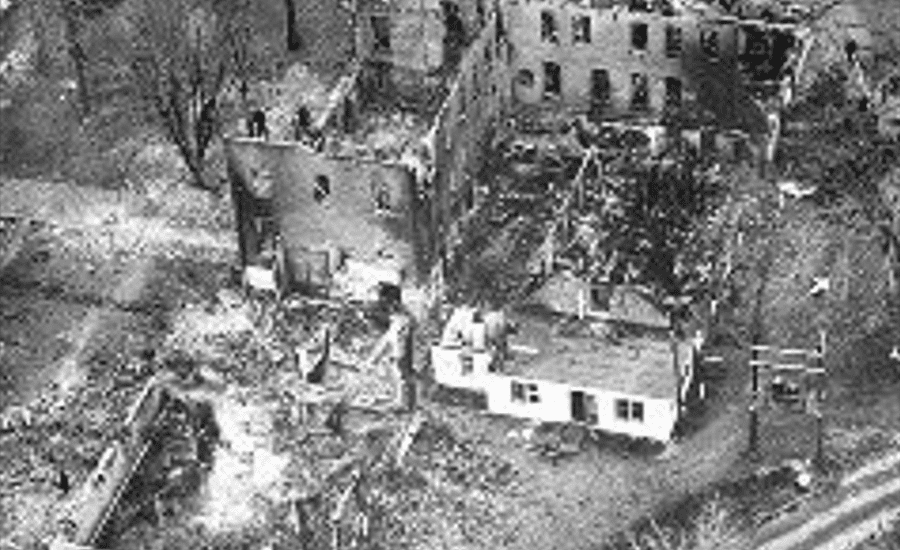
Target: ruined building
623, 59
374, 193
368, 198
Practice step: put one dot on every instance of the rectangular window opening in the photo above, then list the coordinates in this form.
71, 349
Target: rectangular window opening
382, 199
639, 36
552, 78
517, 391
673, 92
549, 31
468, 364
381, 28
524, 392
640, 95
600, 86
629, 410
637, 411
581, 29
673, 41
640, 5
709, 42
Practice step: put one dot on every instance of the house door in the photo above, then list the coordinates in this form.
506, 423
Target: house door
584, 407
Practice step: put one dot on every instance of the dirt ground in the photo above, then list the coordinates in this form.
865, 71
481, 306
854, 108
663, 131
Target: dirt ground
83, 296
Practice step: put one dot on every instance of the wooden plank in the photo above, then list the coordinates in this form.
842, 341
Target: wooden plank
788, 367
408, 437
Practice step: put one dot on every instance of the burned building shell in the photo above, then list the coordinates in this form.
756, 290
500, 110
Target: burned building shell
381, 189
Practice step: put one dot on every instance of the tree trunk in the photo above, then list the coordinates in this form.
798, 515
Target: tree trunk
293, 38
76, 53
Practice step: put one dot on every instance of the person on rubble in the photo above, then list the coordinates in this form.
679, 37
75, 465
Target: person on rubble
257, 124
335, 420
302, 123
61, 479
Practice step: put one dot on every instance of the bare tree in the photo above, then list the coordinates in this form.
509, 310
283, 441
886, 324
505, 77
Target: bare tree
72, 14
182, 54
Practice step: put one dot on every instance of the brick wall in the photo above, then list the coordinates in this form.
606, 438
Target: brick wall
608, 46
478, 98
323, 206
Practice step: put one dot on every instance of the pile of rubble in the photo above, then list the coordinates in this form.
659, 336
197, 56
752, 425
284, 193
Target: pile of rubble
383, 135
458, 461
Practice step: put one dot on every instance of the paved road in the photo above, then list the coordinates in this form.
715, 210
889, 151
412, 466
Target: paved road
867, 500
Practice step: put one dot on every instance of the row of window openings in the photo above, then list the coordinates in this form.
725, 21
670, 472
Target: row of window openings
640, 35
381, 194
600, 86
625, 409
381, 30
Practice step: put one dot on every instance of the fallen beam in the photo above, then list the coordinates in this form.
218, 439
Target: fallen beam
93, 504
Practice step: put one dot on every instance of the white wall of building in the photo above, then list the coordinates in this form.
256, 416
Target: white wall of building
555, 399
555, 405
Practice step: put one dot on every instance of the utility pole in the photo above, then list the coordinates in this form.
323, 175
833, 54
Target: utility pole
816, 398
803, 362
759, 357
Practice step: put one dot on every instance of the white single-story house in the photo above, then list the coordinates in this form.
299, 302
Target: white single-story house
614, 378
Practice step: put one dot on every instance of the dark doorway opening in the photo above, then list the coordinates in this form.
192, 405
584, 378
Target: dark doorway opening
584, 407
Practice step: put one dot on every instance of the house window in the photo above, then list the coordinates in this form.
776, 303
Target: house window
709, 42
623, 409
629, 410
468, 364
601, 296
524, 393
581, 29
381, 28
552, 78
321, 188
549, 32
673, 92
637, 411
673, 41
639, 36
382, 198
640, 96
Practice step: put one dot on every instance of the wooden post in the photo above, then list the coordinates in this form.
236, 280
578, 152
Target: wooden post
753, 444
820, 451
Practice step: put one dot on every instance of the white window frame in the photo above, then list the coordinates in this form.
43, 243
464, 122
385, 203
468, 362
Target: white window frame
528, 393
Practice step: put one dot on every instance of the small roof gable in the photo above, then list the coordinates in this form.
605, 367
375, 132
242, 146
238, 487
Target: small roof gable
566, 293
